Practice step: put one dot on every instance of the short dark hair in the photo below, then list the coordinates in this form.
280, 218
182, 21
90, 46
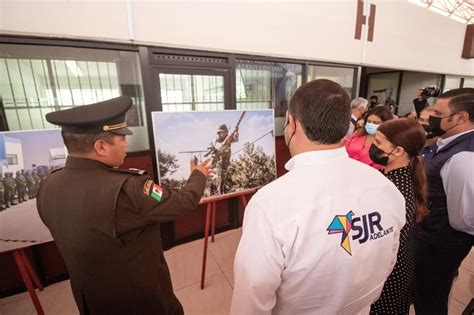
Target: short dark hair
461, 100
380, 111
323, 108
84, 143
374, 97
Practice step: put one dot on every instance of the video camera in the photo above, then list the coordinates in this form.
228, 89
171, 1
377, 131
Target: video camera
431, 91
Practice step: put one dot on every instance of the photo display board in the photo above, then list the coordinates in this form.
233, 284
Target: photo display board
240, 145
26, 159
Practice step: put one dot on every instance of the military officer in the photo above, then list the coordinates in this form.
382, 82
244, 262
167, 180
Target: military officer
20, 186
105, 220
30, 184
36, 182
2, 194
10, 187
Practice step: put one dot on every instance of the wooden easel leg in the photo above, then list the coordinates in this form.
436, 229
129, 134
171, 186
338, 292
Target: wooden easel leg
18, 255
213, 229
206, 236
31, 270
243, 201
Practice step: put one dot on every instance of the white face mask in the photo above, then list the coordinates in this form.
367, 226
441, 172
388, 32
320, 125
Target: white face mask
371, 128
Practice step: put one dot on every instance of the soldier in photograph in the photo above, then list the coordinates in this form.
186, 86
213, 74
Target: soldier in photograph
2, 194
20, 186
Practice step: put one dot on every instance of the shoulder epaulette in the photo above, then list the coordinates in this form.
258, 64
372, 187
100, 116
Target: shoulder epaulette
134, 171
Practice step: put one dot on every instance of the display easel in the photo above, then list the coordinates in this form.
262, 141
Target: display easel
29, 276
211, 220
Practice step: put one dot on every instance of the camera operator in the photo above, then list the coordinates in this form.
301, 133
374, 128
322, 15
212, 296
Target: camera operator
421, 100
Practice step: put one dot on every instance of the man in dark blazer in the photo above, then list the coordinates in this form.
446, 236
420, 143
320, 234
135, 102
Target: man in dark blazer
105, 220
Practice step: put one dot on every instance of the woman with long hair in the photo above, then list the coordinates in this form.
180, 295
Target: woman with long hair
397, 147
358, 144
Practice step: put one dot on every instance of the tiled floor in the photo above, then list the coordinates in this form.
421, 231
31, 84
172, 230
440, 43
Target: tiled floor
185, 266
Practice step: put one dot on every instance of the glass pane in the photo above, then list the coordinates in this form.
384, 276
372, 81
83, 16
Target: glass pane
13, 71
37, 118
37, 79
188, 92
25, 119
5, 88
261, 85
343, 76
12, 119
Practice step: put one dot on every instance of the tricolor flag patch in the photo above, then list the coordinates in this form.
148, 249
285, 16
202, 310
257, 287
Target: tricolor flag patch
156, 192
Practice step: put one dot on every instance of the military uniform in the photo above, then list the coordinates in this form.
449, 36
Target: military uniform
30, 185
106, 226
36, 183
105, 222
221, 158
10, 186
20, 186
2, 194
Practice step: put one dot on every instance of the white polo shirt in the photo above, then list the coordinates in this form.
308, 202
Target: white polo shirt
322, 239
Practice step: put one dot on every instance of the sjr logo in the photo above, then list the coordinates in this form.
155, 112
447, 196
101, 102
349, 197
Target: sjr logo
367, 227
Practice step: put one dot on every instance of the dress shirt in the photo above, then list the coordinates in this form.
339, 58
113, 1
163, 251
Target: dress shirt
291, 258
458, 183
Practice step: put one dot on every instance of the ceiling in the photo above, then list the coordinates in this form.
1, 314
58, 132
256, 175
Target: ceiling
459, 10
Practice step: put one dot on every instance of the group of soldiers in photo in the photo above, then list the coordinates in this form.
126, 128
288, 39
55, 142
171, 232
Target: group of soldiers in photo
21, 186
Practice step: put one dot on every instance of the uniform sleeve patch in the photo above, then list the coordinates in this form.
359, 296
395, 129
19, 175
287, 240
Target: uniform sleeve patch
153, 190
147, 187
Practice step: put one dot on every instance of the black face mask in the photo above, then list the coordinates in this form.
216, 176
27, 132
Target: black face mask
435, 125
428, 131
427, 128
291, 137
376, 155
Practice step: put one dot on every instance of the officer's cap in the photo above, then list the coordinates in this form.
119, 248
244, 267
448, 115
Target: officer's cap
222, 128
96, 118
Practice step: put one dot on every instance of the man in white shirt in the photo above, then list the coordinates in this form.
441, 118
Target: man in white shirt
323, 238
358, 108
445, 237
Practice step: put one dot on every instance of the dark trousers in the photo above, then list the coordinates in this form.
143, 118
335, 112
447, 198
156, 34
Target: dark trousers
435, 267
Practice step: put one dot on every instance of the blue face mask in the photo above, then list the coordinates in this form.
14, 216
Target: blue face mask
371, 128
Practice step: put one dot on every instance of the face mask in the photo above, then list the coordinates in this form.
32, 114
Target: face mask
371, 128
428, 131
427, 128
291, 137
375, 155
435, 125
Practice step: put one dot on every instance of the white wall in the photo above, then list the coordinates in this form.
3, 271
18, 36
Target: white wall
406, 36
411, 37
12, 146
451, 82
469, 82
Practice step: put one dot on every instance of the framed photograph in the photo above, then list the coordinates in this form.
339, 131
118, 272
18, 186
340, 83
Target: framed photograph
239, 144
26, 159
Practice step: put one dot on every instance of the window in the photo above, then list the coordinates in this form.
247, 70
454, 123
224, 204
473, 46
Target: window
36, 80
12, 159
343, 76
261, 85
190, 92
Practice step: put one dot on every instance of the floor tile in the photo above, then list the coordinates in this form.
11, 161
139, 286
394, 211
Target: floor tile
213, 300
184, 247
468, 262
185, 266
463, 287
455, 307
229, 275
224, 248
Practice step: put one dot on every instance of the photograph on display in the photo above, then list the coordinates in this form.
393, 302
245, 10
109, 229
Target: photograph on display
26, 159
239, 144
